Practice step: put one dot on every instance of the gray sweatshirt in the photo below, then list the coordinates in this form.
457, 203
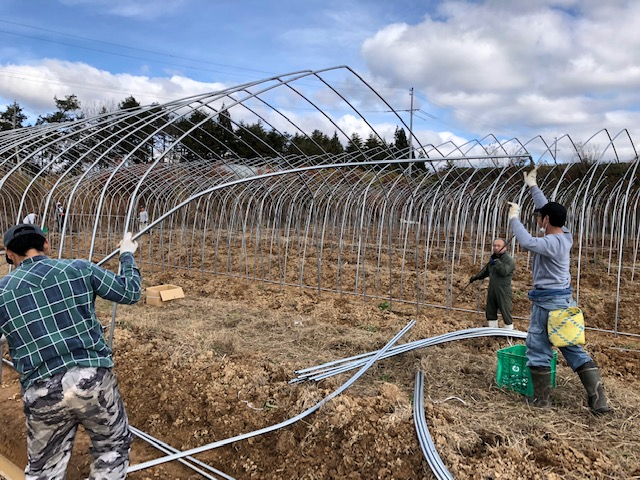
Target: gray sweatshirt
551, 259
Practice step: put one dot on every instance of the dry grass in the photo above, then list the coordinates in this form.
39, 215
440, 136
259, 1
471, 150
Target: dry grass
217, 363
476, 426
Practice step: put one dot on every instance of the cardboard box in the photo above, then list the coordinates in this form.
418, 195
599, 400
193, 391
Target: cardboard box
163, 293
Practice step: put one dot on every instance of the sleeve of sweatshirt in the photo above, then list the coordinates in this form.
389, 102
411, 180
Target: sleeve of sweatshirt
124, 288
539, 200
549, 245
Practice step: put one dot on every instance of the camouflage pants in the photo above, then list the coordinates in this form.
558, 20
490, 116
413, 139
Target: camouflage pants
54, 408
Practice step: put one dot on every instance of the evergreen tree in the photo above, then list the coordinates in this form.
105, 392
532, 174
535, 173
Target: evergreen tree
136, 130
355, 146
375, 148
401, 146
51, 156
201, 143
335, 146
278, 141
225, 132
65, 113
316, 145
12, 117
252, 141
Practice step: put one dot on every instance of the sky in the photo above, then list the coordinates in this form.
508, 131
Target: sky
512, 68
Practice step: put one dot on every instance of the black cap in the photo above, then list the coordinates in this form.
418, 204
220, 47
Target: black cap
20, 230
556, 212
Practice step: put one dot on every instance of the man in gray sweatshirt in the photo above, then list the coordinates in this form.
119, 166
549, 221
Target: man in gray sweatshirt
552, 291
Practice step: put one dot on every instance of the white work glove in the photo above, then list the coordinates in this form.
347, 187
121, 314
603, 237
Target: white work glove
514, 210
128, 245
531, 177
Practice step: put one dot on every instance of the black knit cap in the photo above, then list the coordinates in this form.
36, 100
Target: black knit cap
20, 230
556, 212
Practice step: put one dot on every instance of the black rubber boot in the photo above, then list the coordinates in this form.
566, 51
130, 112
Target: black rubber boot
590, 377
541, 377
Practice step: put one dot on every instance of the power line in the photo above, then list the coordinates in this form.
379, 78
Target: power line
101, 88
433, 117
87, 86
120, 46
378, 87
467, 115
106, 88
124, 55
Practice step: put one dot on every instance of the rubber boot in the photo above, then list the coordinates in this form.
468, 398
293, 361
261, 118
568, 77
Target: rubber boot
492, 323
541, 378
508, 327
590, 377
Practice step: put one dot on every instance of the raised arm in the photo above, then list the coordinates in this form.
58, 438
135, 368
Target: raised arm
124, 288
531, 180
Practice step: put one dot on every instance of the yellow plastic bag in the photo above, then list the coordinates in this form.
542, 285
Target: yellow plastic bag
566, 327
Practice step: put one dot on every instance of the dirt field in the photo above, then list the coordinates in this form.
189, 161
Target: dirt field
217, 364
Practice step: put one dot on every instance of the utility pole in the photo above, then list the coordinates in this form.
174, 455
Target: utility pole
410, 138
411, 126
410, 133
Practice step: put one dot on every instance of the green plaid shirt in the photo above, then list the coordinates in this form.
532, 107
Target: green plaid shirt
47, 312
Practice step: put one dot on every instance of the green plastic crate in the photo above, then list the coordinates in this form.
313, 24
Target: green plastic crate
512, 372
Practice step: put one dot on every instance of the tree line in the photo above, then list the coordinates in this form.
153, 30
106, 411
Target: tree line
203, 135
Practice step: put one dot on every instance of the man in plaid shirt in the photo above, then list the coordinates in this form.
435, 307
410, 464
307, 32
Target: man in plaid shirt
47, 312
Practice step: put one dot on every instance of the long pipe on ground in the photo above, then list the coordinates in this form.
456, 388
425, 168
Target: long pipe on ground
347, 384
166, 448
424, 438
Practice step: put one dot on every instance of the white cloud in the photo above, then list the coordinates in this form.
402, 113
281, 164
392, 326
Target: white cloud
520, 67
513, 68
37, 84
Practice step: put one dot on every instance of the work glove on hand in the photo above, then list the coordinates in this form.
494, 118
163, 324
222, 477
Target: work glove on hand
530, 178
514, 210
495, 256
128, 245
472, 279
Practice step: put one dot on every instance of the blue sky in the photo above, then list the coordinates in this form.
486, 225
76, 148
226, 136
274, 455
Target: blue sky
509, 67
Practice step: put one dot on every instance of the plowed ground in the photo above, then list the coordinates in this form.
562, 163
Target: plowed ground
217, 364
